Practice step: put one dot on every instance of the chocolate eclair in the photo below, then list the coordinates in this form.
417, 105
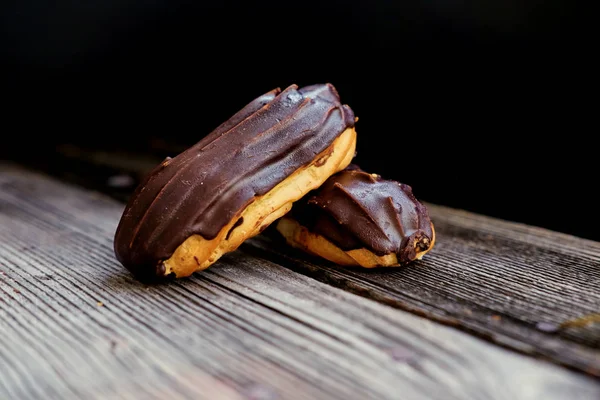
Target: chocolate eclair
203, 203
360, 219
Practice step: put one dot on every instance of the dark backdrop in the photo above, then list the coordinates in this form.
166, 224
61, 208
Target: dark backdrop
482, 105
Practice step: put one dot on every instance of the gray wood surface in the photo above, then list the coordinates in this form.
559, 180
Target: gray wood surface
74, 324
526, 288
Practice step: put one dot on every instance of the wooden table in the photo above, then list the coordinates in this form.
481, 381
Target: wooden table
497, 310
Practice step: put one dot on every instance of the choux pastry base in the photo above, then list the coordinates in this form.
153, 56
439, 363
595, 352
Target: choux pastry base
300, 237
197, 253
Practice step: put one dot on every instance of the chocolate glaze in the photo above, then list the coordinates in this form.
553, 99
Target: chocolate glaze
354, 209
202, 189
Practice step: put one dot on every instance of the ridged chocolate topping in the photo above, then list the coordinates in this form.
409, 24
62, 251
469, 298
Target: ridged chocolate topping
354, 209
203, 188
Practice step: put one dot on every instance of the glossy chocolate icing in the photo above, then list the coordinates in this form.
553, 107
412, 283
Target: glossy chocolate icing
202, 189
354, 209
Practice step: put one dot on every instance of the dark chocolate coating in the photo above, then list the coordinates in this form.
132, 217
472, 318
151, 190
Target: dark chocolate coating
354, 209
202, 189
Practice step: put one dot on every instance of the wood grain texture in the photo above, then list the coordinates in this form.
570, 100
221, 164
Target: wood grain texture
74, 324
516, 285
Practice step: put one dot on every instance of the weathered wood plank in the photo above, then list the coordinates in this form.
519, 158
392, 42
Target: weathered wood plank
74, 324
521, 329
522, 287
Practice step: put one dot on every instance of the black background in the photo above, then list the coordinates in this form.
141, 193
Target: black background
486, 106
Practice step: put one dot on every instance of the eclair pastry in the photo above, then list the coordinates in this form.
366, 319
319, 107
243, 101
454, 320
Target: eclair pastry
360, 219
203, 203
